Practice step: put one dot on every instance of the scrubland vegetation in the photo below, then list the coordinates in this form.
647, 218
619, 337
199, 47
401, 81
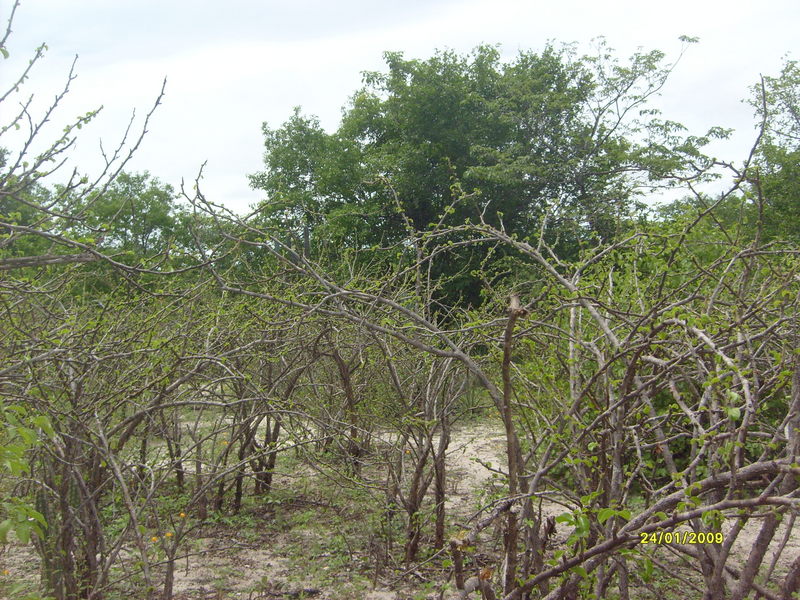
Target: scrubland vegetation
454, 351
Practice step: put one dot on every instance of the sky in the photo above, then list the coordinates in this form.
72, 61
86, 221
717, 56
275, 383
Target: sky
231, 66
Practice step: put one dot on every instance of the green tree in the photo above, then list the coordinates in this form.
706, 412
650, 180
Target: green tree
143, 213
546, 133
313, 180
777, 102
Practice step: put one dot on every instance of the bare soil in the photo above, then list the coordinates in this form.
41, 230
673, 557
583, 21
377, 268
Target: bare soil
262, 563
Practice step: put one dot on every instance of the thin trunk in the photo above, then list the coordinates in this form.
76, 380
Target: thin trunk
272, 457
419, 486
439, 489
513, 452
169, 578
353, 444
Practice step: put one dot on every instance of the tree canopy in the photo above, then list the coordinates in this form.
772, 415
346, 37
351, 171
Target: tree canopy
455, 137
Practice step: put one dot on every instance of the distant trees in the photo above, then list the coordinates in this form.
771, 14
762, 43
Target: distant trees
777, 102
546, 134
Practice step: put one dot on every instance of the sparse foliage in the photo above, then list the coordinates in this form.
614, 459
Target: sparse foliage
468, 245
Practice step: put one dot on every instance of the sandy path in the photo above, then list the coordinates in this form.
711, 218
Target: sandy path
468, 476
486, 442
238, 566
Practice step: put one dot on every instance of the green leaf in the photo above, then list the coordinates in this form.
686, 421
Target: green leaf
647, 570
5, 527
604, 514
36, 515
734, 413
23, 531
565, 518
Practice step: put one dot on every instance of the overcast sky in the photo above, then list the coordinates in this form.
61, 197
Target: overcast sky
231, 65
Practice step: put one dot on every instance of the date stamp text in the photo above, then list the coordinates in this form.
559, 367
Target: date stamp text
681, 537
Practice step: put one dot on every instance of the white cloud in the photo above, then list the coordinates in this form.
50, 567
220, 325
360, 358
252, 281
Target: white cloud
230, 67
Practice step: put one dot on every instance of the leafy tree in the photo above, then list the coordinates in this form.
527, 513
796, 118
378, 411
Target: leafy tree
777, 102
547, 133
764, 205
310, 175
143, 213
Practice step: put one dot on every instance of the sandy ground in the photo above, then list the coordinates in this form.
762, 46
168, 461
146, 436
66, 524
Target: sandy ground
488, 445
472, 450
235, 568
